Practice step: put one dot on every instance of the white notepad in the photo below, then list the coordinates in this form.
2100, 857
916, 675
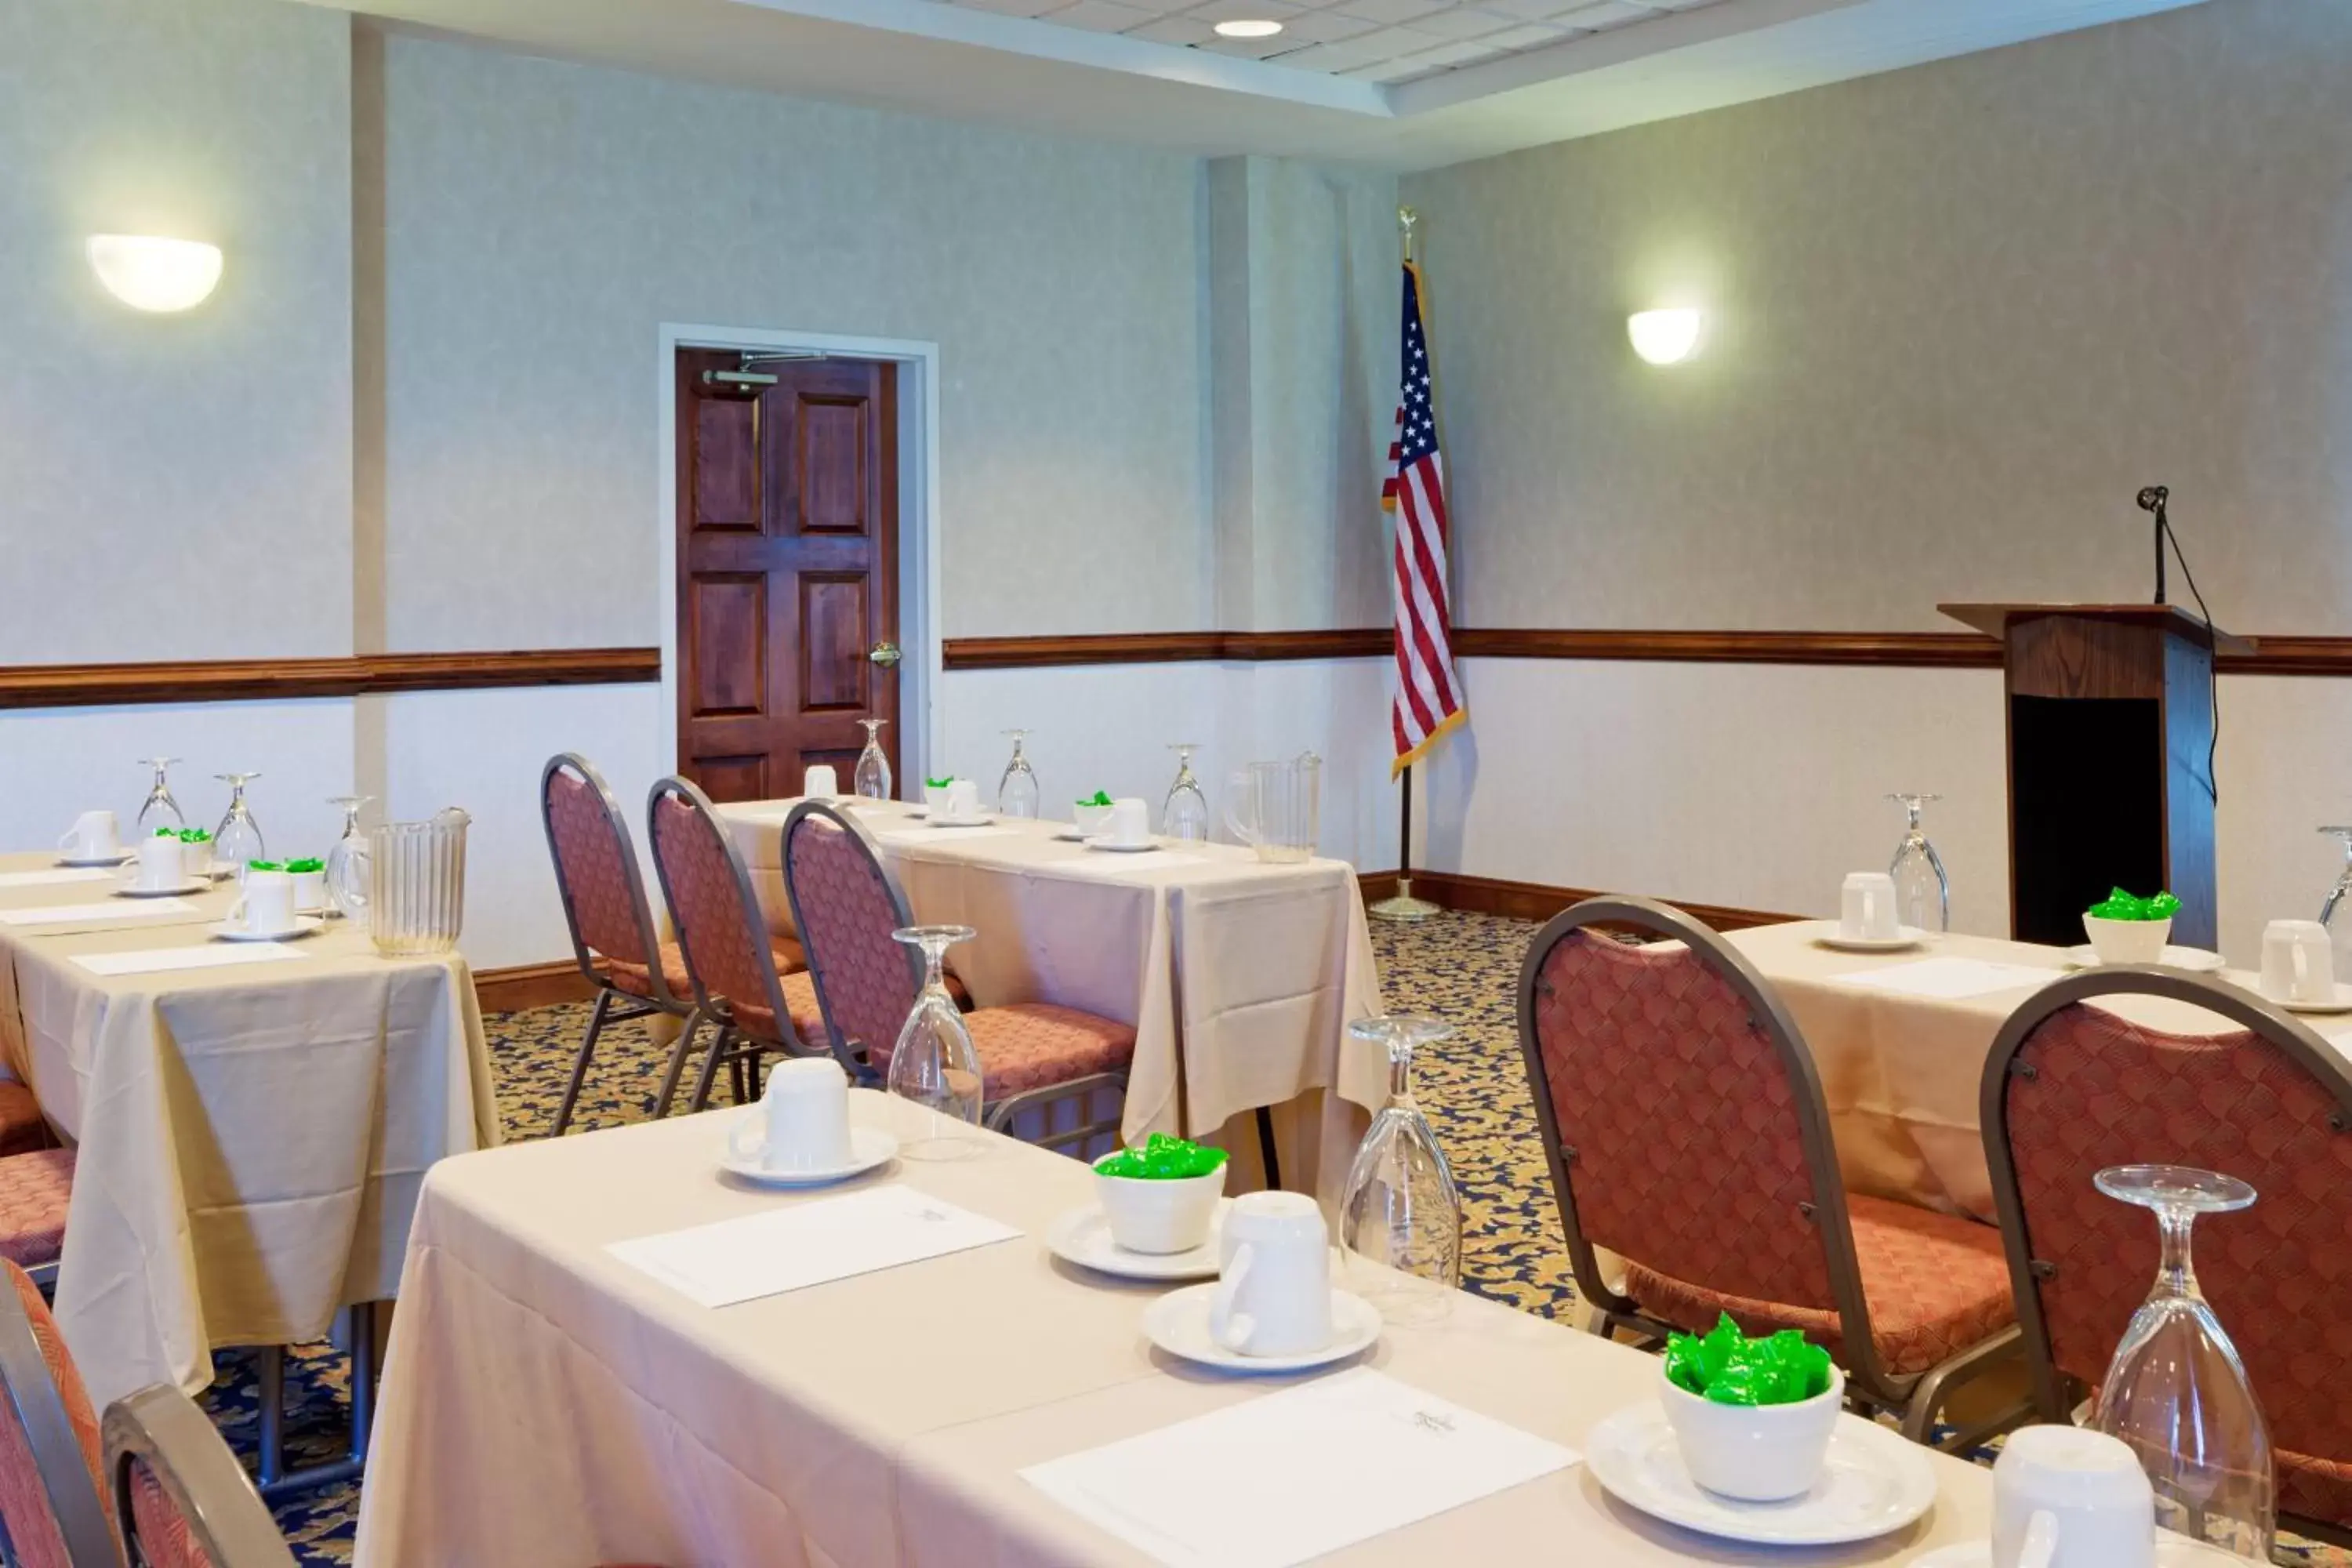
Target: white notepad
1291, 1476
114, 910
1948, 979
161, 960
781, 1250
57, 874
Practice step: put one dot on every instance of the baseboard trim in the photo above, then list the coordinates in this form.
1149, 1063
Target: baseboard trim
1540, 900
525, 986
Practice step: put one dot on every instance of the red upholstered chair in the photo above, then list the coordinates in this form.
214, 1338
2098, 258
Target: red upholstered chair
613, 936
723, 936
1685, 1126
23, 1127
2071, 1089
1035, 1057
51, 1484
180, 1498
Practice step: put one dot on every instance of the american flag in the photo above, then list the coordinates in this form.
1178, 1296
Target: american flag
1428, 701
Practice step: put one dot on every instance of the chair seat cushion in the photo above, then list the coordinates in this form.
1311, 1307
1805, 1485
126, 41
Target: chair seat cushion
1936, 1285
1035, 1045
800, 1001
2315, 1487
22, 1126
35, 1189
631, 977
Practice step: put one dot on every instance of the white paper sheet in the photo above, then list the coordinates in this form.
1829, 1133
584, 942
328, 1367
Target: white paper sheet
161, 960
1949, 979
941, 835
1104, 863
809, 1243
114, 910
57, 873
1291, 1476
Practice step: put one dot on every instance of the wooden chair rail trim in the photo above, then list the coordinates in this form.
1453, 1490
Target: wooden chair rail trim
356, 675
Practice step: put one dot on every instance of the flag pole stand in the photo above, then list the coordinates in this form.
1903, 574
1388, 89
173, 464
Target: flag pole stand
1404, 908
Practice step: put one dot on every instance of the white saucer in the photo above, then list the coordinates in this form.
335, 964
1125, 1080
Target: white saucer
2340, 1003
869, 1147
1179, 1324
80, 862
961, 821
1905, 937
192, 885
304, 925
1873, 1482
1071, 834
221, 871
2196, 959
2172, 1550
1083, 1236
1102, 841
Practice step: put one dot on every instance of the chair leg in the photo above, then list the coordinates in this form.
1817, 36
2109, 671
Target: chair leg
701, 1100
1265, 1148
579, 1062
677, 1063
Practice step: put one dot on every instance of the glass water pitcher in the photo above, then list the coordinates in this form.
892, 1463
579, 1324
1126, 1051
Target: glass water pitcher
1276, 808
417, 883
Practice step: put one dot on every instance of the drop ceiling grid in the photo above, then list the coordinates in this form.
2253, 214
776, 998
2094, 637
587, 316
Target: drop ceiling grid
1371, 40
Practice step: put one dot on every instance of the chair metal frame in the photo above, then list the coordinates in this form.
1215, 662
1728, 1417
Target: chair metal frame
997, 1116
39, 1408
163, 1428
743, 1056
2053, 1399
613, 1005
1917, 1396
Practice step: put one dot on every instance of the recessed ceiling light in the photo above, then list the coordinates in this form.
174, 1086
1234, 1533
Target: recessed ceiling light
1248, 29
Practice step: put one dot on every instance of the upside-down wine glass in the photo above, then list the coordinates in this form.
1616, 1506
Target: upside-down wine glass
347, 863
1185, 812
2176, 1392
160, 810
934, 1066
1923, 894
873, 777
2336, 914
1016, 791
1401, 1220
238, 838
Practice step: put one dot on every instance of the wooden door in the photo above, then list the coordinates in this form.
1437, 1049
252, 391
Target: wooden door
788, 570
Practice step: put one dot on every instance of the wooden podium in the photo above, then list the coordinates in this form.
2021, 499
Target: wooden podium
2110, 730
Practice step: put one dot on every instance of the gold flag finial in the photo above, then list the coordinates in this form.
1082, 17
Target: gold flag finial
1406, 219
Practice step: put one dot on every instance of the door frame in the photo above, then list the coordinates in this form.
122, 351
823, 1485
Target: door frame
918, 517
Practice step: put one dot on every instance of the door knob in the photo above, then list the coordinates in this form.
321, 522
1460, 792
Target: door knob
884, 652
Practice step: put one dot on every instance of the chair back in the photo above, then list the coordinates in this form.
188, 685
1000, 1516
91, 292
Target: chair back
720, 927
1681, 1116
180, 1496
49, 1499
2071, 1089
596, 871
845, 905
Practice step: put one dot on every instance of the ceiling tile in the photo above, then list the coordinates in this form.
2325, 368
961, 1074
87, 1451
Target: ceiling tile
1015, 7
1174, 30
1325, 27
1103, 17
1390, 11
1606, 14
1461, 22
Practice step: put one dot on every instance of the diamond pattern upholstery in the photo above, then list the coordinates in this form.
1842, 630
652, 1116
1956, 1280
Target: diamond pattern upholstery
35, 1189
846, 914
165, 1538
24, 1501
720, 933
1035, 1045
631, 977
2103, 1091
593, 862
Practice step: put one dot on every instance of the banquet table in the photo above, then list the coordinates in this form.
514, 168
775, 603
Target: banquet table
251, 1138
1240, 976
1902, 1072
546, 1401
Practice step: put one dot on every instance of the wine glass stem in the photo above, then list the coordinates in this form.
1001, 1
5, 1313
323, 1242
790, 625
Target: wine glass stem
2174, 1275
1401, 1071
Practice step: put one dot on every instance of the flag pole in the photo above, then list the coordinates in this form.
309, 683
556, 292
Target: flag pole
1403, 908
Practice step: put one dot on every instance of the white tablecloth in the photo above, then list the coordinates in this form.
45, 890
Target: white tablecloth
1239, 976
546, 1403
251, 1139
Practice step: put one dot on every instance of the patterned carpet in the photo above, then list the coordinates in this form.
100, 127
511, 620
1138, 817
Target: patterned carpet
1461, 968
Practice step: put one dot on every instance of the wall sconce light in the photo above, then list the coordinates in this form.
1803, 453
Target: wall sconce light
1664, 337
151, 274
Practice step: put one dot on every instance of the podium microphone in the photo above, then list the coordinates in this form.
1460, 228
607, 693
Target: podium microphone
2151, 500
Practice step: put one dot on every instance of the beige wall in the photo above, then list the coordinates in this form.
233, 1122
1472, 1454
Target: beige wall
1961, 315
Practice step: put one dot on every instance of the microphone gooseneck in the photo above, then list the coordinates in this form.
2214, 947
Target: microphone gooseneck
2152, 499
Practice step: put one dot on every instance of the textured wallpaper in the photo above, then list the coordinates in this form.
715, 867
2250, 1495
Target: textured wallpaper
1958, 315
185, 479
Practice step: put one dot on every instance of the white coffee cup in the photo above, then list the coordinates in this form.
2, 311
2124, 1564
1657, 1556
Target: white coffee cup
196, 857
1866, 908
93, 836
266, 907
2065, 1497
820, 782
2298, 964
309, 890
1273, 1277
161, 866
803, 1123
1129, 823
962, 801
